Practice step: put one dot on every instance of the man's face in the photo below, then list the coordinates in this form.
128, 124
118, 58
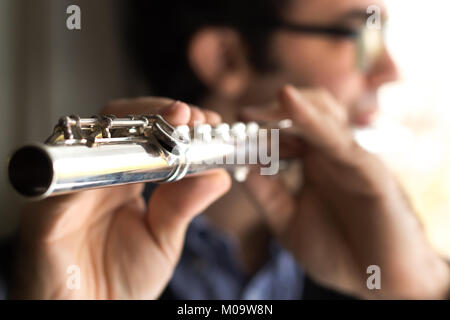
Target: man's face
312, 60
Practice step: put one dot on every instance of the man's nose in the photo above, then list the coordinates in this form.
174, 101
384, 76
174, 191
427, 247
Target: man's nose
384, 71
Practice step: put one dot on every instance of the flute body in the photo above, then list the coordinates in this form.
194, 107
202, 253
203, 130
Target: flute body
105, 151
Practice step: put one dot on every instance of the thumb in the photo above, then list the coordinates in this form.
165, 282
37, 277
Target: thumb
173, 206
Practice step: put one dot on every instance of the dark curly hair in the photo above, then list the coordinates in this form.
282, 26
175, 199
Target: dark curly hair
158, 33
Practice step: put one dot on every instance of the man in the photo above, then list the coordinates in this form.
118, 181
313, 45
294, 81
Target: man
308, 60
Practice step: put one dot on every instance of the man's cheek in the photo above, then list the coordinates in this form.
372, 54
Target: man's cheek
346, 90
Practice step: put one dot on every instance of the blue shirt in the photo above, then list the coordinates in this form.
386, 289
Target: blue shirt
208, 269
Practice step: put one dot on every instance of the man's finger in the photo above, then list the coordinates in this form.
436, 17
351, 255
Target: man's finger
197, 117
319, 128
58, 216
176, 113
213, 118
173, 206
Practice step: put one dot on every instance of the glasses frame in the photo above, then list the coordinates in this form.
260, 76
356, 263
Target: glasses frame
337, 32
331, 31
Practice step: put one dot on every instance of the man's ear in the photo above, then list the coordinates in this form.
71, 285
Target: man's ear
218, 58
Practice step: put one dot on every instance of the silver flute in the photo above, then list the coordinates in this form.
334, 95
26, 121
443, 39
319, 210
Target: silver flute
102, 151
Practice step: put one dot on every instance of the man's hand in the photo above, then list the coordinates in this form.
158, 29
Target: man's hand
124, 248
350, 213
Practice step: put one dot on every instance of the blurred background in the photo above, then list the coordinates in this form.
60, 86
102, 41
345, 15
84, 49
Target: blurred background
412, 133
47, 71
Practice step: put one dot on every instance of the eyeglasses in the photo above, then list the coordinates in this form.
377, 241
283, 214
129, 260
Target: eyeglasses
369, 41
